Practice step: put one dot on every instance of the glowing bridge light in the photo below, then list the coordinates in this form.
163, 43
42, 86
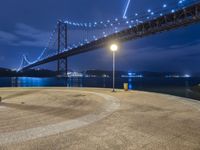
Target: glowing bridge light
95, 38
149, 10
126, 9
164, 5
180, 2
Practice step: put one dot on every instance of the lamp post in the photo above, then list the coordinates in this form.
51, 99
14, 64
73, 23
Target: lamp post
114, 48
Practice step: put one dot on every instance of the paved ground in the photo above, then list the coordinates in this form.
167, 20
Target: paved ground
89, 119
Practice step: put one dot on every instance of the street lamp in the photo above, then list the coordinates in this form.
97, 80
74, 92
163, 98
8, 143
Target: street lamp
114, 48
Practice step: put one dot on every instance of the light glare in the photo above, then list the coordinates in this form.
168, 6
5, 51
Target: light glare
114, 47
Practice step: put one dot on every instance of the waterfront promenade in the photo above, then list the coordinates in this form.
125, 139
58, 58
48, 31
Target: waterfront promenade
89, 119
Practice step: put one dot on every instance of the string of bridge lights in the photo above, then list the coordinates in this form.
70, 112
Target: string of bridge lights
130, 23
115, 24
123, 20
24, 57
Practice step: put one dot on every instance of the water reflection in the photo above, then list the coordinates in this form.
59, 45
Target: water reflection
38, 82
175, 86
130, 86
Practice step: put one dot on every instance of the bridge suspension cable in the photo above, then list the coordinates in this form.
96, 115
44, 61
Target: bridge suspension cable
126, 9
93, 31
151, 12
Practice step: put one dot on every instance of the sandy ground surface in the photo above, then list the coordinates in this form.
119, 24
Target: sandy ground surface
90, 119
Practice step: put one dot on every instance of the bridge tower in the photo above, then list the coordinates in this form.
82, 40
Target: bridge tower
62, 64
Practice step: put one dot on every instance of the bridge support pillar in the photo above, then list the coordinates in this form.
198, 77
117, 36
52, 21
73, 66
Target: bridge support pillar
62, 64
58, 48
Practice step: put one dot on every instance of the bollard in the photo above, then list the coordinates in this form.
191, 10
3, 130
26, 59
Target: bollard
125, 86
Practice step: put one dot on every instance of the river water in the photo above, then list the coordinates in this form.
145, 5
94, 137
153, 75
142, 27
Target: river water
174, 86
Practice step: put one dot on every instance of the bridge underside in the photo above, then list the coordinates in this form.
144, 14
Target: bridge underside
168, 22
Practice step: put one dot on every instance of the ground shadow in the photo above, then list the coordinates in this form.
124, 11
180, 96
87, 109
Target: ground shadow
21, 93
47, 110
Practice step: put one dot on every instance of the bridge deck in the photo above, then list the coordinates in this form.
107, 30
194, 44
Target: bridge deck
168, 22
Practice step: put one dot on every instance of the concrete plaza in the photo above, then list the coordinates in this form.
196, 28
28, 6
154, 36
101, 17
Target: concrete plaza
89, 119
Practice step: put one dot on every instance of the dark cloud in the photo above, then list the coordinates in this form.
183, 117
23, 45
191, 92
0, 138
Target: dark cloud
31, 36
24, 35
7, 38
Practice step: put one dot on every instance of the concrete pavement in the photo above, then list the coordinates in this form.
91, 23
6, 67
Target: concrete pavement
43, 119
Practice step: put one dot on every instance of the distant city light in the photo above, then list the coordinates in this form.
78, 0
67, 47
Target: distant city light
187, 76
132, 75
178, 76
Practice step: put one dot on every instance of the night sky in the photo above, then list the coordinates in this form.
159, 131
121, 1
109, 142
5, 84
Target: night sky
26, 25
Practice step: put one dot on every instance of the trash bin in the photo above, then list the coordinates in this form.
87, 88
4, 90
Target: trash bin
125, 86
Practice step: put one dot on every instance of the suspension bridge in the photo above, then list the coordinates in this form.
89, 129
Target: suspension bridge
100, 33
